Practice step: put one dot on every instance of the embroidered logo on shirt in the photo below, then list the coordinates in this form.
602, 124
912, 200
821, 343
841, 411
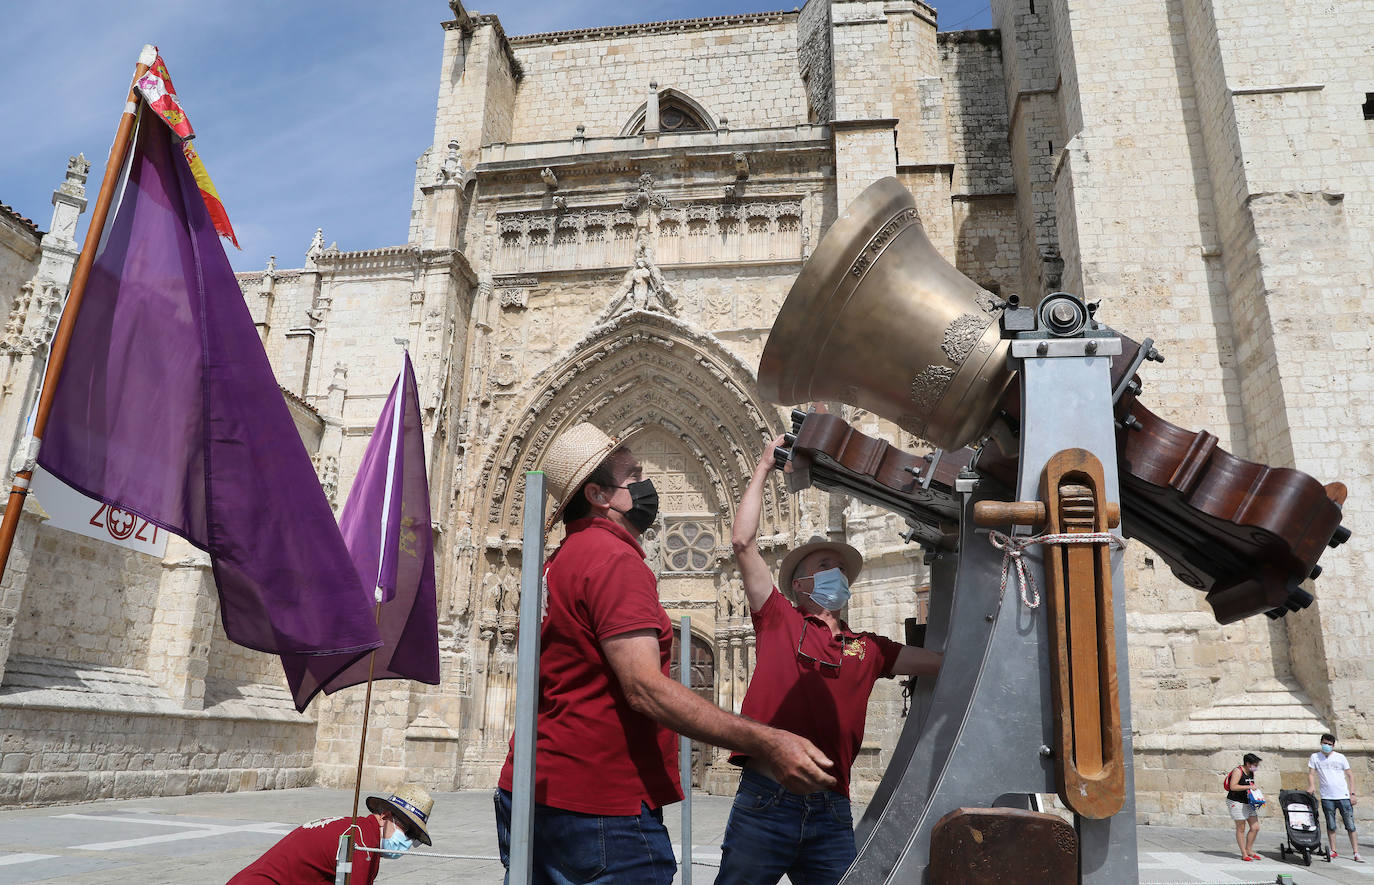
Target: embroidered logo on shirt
855, 648
322, 822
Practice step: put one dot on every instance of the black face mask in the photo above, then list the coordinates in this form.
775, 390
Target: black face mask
644, 509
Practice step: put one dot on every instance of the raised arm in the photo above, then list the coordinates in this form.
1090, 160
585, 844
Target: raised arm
757, 576
634, 657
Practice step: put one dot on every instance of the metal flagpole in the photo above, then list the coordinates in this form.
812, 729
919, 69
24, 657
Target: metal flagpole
684, 749
527, 682
57, 353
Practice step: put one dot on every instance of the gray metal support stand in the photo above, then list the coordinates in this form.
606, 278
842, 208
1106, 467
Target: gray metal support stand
988, 726
684, 749
943, 567
983, 734
527, 682
1067, 403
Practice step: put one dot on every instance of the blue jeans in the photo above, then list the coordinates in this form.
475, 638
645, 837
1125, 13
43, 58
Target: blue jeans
772, 831
1347, 814
571, 848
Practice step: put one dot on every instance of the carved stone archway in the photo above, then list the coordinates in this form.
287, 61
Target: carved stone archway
641, 369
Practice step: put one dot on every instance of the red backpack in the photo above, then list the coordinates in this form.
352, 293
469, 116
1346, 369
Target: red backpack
1225, 779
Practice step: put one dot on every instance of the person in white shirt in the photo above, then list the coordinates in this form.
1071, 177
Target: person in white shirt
1337, 791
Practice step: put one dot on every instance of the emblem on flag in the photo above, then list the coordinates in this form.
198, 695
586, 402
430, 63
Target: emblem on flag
158, 91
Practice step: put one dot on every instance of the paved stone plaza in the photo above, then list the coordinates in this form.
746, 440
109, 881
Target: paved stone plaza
206, 838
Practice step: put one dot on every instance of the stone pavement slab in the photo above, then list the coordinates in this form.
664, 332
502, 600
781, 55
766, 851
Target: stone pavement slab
204, 839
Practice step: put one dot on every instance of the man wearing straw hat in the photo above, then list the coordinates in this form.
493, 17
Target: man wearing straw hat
813, 675
309, 852
606, 752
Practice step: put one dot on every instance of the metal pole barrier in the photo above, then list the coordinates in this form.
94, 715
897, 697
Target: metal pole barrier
527, 682
343, 859
684, 750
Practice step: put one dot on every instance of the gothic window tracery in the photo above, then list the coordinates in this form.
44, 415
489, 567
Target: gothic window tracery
688, 546
677, 118
677, 112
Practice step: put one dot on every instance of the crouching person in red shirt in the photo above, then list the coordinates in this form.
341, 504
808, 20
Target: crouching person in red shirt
812, 676
308, 853
606, 749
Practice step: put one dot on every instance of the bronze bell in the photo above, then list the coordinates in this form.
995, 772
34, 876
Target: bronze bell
878, 319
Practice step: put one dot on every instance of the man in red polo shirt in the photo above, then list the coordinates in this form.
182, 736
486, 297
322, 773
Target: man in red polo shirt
606, 754
812, 676
308, 854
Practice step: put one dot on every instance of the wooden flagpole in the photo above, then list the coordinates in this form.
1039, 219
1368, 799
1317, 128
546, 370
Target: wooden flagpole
57, 354
397, 422
345, 859
367, 708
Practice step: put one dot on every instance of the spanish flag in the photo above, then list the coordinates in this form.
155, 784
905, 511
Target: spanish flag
218, 216
161, 96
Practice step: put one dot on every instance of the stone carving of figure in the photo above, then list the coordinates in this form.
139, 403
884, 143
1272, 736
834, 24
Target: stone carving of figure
643, 288
491, 600
451, 172
510, 593
648, 542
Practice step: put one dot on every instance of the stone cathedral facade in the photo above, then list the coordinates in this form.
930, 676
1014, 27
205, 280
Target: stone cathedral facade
604, 228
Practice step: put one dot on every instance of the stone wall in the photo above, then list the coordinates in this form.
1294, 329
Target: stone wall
105, 734
743, 69
816, 60
87, 601
1196, 193
971, 65
19, 251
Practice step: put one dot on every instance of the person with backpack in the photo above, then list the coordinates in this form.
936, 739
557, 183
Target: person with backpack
1243, 805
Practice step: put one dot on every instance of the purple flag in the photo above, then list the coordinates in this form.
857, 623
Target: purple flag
386, 526
167, 407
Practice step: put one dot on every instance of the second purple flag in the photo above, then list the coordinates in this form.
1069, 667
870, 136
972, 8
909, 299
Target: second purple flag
386, 525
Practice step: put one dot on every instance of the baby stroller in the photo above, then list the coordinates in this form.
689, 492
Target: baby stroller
1301, 825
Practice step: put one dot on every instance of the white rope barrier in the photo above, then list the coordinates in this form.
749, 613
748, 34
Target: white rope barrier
429, 854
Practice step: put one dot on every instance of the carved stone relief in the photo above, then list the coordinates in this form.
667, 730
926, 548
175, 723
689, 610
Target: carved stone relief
723, 231
506, 371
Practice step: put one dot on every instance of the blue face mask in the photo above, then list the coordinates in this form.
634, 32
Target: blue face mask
830, 589
395, 846
1327, 748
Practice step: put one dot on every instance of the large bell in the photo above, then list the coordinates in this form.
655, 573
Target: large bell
877, 319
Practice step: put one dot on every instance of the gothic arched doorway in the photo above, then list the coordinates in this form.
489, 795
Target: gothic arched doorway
702, 662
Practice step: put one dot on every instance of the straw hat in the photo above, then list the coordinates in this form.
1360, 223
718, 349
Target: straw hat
410, 803
853, 560
572, 457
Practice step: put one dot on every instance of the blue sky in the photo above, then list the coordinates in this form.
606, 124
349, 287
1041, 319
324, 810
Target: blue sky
307, 113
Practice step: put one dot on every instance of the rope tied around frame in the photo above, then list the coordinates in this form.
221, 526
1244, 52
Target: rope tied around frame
1013, 548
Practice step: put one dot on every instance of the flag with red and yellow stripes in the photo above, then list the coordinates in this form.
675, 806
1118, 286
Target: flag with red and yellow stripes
218, 216
157, 90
